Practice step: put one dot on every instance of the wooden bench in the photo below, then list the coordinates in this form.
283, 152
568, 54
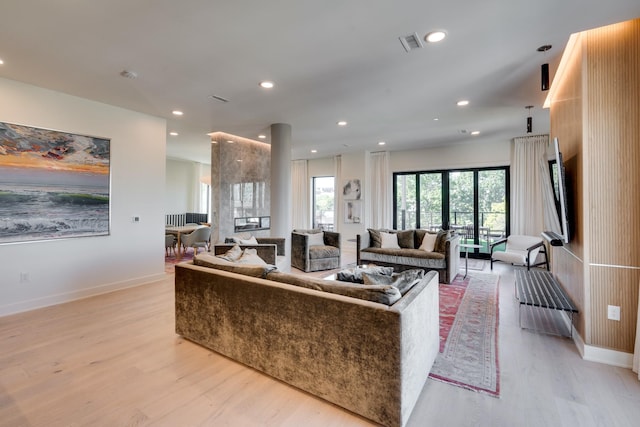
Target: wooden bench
539, 288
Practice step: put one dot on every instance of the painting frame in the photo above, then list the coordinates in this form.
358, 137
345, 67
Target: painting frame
352, 189
53, 184
352, 211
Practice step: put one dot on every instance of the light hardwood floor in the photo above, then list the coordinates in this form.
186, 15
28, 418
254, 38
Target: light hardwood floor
115, 360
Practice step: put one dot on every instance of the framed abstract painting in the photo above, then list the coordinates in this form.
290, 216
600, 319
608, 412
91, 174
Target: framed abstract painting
53, 185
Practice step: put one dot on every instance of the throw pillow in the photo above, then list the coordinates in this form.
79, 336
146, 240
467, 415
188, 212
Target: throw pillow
405, 239
250, 241
316, 239
429, 242
403, 281
232, 254
250, 256
354, 275
441, 241
389, 240
374, 237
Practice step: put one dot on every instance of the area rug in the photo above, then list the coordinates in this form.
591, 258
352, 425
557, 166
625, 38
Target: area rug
171, 261
468, 355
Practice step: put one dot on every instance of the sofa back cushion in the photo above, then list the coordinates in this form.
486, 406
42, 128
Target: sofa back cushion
406, 239
207, 259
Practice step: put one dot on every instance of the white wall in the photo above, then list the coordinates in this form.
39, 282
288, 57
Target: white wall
133, 253
180, 182
485, 154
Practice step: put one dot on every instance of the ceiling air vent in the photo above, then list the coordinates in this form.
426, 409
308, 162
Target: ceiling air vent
411, 42
218, 98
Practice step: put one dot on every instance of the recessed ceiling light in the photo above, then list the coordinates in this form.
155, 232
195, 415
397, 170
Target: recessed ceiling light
262, 136
239, 160
435, 119
230, 142
463, 103
435, 36
381, 143
266, 84
314, 151
342, 123
173, 133
475, 132
177, 113
1, 62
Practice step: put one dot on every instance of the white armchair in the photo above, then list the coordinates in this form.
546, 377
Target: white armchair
520, 250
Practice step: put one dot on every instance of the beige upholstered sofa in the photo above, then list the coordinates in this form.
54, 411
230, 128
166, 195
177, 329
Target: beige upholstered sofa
368, 357
444, 258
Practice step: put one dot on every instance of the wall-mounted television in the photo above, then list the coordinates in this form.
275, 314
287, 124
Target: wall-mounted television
559, 185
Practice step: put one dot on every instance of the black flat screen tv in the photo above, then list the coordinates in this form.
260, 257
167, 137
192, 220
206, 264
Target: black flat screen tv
559, 185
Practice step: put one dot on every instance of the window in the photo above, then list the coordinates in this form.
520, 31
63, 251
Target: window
323, 202
474, 202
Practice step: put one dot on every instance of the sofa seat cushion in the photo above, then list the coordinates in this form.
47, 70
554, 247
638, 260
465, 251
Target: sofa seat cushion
406, 257
412, 253
382, 294
319, 252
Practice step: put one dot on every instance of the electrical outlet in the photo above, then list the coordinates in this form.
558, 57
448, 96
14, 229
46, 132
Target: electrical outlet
24, 277
135, 219
613, 312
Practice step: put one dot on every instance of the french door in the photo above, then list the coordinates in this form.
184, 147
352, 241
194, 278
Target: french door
473, 202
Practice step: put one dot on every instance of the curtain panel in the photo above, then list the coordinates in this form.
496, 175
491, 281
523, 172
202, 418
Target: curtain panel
380, 200
532, 206
300, 203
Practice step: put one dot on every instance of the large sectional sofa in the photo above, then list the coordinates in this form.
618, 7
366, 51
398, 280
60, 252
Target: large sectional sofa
444, 257
368, 349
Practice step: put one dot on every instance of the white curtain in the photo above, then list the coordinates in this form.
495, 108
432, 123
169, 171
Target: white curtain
200, 173
527, 184
379, 203
636, 352
337, 201
300, 202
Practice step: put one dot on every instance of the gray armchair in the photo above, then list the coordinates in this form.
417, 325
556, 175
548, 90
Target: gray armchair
198, 238
169, 244
315, 250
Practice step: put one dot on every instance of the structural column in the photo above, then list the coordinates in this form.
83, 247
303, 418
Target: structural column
281, 181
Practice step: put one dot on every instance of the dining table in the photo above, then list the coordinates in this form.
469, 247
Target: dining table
178, 231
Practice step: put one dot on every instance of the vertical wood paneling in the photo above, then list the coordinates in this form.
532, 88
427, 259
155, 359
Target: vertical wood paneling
612, 82
569, 271
614, 286
596, 115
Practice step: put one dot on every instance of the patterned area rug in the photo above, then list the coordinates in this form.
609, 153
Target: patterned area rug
171, 261
468, 355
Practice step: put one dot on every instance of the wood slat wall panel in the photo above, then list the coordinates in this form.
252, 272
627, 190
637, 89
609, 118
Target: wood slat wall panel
595, 112
614, 286
612, 111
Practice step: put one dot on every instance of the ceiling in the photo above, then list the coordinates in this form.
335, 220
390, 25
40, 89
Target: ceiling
330, 60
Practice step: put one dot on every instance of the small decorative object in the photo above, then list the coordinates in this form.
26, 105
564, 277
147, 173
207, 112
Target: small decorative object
352, 190
352, 211
53, 184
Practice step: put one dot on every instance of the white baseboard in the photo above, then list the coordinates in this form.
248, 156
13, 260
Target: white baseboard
602, 355
50, 300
